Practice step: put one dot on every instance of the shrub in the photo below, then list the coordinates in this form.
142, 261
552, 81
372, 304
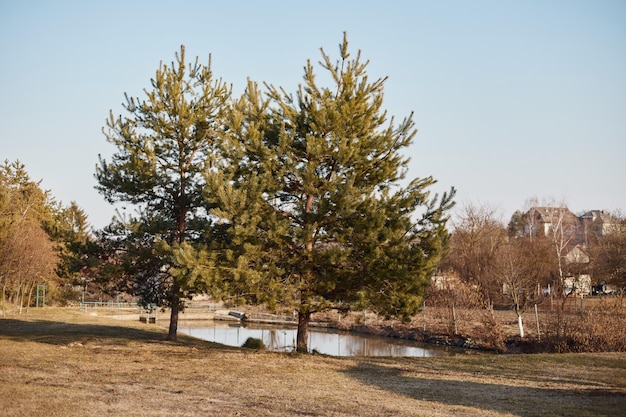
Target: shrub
491, 333
253, 343
596, 329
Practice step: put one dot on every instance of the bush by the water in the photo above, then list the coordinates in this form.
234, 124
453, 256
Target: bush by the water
253, 343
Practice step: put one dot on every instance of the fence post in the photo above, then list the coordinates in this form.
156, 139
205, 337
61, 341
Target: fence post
424, 310
537, 320
582, 305
456, 329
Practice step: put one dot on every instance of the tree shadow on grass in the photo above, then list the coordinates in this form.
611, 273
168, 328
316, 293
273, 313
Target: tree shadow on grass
520, 401
62, 333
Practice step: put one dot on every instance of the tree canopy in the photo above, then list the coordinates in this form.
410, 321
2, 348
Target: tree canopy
162, 146
312, 189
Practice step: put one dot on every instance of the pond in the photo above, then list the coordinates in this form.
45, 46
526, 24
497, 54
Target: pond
328, 342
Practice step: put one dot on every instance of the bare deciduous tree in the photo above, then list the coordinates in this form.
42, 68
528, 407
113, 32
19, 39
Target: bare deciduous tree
518, 267
608, 253
477, 235
558, 224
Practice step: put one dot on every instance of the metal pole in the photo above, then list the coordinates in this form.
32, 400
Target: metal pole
40, 289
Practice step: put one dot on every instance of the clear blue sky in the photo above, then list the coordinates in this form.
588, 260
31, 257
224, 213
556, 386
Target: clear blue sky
512, 99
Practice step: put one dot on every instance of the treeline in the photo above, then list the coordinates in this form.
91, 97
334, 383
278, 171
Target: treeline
39, 238
551, 255
544, 257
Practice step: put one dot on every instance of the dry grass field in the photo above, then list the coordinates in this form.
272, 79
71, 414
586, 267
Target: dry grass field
63, 362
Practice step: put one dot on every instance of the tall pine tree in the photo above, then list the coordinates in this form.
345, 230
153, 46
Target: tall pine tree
162, 146
311, 187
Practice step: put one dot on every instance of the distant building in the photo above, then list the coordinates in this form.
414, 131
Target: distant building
578, 280
445, 281
544, 221
577, 255
596, 222
578, 285
574, 233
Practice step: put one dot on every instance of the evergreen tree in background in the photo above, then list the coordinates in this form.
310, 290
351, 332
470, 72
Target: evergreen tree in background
162, 146
70, 230
311, 187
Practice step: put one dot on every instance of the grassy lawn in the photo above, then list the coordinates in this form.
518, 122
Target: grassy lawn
63, 362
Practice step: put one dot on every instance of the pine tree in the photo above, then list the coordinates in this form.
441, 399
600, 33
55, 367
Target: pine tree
311, 187
162, 146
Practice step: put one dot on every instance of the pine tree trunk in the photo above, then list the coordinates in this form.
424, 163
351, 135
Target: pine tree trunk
302, 339
172, 334
175, 304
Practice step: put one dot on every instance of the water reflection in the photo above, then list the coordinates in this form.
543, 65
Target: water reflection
283, 339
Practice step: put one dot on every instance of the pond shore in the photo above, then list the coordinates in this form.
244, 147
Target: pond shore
599, 329
350, 323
